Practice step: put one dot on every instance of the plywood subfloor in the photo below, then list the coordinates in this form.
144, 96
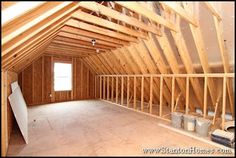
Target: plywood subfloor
94, 128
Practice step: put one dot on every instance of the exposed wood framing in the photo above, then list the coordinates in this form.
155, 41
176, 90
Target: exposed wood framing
148, 13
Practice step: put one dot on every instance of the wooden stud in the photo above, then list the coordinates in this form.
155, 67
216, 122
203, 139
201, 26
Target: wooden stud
151, 94
223, 103
112, 88
205, 98
172, 94
187, 96
104, 88
122, 90
142, 93
224, 56
108, 93
134, 105
100, 77
95, 87
116, 89
128, 85
161, 90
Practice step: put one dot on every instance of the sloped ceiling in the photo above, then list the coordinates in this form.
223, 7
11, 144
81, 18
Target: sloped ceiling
131, 37
69, 27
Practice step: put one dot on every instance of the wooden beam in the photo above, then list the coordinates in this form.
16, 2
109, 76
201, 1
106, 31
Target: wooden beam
117, 89
134, 6
188, 63
92, 28
128, 85
9, 35
225, 60
104, 87
122, 90
142, 93
179, 10
161, 96
151, 94
108, 88
112, 88
80, 15
198, 40
9, 17
82, 38
34, 30
223, 103
93, 35
213, 10
100, 77
134, 105
205, 98
171, 59
81, 42
21, 50
172, 94
118, 16
187, 96
78, 46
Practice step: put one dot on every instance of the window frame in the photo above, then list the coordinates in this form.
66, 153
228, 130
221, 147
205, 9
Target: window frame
62, 62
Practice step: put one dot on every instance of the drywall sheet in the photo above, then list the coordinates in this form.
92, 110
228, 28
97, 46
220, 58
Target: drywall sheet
14, 85
20, 111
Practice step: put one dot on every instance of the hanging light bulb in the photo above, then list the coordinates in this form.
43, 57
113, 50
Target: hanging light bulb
93, 42
97, 50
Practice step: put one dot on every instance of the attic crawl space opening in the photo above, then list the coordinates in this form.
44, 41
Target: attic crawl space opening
89, 70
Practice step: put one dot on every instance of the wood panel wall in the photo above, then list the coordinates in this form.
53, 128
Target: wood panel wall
36, 81
7, 117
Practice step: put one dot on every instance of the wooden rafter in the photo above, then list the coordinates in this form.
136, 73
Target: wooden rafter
107, 24
224, 56
117, 15
148, 13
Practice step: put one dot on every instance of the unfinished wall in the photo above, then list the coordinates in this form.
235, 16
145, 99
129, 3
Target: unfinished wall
36, 81
7, 117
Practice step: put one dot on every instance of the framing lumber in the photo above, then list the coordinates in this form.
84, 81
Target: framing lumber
179, 10
205, 98
169, 54
34, 30
134, 6
105, 23
142, 87
172, 94
161, 97
93, 35
134, 105
118, 16
151, 94
13, 30
92, 28
187, 96
128, 87
197, 37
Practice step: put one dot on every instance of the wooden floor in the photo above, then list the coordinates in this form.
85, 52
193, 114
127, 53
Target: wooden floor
94, 128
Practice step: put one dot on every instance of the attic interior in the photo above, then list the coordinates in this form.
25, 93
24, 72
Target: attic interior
117, 78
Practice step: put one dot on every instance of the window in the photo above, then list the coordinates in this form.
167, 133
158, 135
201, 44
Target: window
62, 77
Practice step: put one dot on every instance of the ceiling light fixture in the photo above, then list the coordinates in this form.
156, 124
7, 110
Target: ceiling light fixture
93, 42
97, 50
